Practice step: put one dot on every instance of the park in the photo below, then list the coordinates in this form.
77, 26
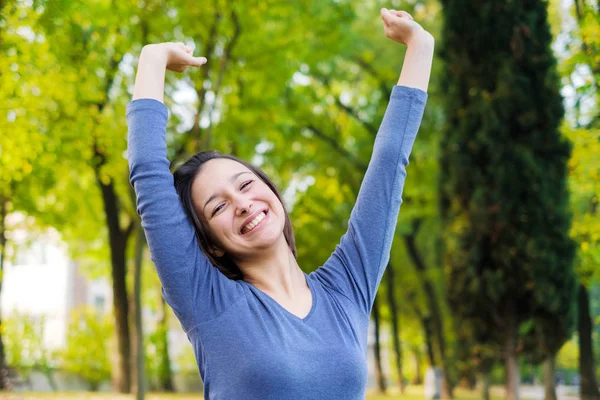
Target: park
487, 283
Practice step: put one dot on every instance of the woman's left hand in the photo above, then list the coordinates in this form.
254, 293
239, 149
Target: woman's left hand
400, 26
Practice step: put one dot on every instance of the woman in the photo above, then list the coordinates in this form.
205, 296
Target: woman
224, 249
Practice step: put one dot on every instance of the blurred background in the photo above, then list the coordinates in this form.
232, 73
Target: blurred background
494, 277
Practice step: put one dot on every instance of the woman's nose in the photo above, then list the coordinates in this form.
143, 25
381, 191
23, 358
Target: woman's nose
244, 206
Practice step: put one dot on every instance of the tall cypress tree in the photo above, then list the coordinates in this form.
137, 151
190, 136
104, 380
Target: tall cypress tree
503, 172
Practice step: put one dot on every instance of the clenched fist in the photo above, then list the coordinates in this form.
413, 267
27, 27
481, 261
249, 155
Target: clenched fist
400, 26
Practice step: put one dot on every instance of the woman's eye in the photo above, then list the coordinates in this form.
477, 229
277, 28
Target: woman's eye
246, 184
217, 209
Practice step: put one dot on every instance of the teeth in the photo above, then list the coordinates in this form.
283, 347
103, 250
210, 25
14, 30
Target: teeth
254, 222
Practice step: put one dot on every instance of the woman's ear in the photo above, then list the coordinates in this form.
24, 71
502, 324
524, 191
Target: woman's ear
217, 252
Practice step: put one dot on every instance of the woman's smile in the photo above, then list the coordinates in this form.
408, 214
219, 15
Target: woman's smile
255, 222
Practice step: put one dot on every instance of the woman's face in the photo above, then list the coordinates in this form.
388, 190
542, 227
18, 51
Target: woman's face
244, 216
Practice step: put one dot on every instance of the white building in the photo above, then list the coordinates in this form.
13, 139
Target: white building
39, 280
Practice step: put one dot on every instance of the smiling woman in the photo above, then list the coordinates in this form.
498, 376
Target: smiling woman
222, 242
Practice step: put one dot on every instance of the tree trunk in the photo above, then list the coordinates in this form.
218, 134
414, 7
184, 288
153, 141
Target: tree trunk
465, 355
4, 382
165, 373
485, 384
118, 244
138, 335
118, 239
120, 305
467, 382
550, 377
446, 386
589, 386
49, 374
511, 363
417, 359
426, 321
390, 280
378, 364
437, 324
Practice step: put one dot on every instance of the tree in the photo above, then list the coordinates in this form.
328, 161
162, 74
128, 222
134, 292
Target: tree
28, 73
503, 172
91, 49
581, 72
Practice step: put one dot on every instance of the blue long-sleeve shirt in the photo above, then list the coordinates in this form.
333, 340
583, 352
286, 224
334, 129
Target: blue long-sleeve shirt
247, 345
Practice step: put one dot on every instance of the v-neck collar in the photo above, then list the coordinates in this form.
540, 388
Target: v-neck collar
313, 296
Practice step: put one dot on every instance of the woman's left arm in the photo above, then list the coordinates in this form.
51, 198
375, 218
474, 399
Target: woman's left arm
356, 267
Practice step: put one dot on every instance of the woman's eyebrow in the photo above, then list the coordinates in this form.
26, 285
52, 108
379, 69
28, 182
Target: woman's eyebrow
231, 179
235, 176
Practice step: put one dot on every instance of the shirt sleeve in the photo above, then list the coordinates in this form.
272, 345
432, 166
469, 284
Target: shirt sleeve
357, 265
192, 286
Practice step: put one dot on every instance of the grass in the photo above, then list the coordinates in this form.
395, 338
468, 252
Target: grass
416, 393
413, 393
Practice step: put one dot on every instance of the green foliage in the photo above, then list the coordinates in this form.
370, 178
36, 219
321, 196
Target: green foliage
156, 346
580, 69
23, 337
28, 76
41, 150
585, 190
582, 74
568, 356
275, 71
87, 350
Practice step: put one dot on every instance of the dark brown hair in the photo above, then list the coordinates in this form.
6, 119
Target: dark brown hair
184, 177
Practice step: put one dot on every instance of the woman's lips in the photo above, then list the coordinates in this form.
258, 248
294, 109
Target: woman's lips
259, 225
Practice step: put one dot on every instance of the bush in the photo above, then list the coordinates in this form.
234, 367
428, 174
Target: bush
87, 350
23, 336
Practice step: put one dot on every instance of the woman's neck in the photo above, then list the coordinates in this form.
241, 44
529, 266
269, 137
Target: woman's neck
276, 272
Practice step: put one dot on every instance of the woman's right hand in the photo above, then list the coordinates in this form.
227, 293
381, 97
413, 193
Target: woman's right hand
174, 56
154, 60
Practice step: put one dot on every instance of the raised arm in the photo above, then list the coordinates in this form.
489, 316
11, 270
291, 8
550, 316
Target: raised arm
356, 266
193, 288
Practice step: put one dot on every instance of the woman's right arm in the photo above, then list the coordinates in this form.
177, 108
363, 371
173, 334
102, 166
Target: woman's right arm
193, 288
